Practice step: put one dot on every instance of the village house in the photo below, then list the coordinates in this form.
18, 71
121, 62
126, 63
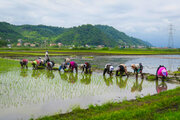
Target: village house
60, 44
141, 46
32, 45
133, 46
9, 45
18, 44
100, 46
53, 44
87, 46
27, 44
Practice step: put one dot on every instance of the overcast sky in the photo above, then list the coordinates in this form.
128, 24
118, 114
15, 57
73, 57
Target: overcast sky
145, 19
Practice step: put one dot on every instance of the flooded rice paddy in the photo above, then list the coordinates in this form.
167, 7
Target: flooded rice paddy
150, 62
27, 93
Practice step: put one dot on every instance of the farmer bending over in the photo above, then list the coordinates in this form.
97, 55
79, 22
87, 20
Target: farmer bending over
87, 67
64, 66
138, 69
35, 64
122, 69
73, 65
23, 63
161, 72
50, 65
109, 69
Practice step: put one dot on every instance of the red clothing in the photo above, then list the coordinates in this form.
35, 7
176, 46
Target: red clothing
24, 60
87, 64
38, 62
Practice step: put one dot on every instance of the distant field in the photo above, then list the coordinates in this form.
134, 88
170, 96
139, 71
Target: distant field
57, 52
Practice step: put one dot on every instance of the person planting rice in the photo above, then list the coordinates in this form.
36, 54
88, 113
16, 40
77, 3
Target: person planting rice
43, 63
50, 65
109, 69
122, 69
161, 72
73, 65
66, 60
87, 67
138, 69
47, 57
35, 64
64, 66
23, 63
39, 59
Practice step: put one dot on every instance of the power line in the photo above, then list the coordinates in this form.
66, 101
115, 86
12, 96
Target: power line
171, 40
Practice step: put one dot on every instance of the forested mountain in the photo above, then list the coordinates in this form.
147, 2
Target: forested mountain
121, 37
8, 31
81, 35
86, 34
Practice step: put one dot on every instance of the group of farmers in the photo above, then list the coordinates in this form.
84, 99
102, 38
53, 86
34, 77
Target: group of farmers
69, 66
137, 68
39, 62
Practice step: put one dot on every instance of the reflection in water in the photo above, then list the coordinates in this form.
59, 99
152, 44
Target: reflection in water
108, 80
70, 77
63, 76
36, 73
161, 87
50, 74
24, 72
73, 78
170, 63
120, 82
86, 79
137, 86
26, 96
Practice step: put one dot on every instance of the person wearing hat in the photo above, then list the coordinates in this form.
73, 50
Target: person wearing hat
47, 57
73, 65
64, 66
35, 64
67, 60
122, 69
137, 69
161, 72
50, 65
87, 67
39, 59
23, 63
109, 69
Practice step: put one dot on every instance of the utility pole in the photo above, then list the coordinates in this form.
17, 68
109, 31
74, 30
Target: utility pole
45, 44
170, 40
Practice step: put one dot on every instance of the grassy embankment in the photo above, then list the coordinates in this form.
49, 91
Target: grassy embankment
165, 105
6, 64
57, 52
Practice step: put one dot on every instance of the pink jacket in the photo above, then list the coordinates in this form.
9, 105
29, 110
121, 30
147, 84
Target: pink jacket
162, 72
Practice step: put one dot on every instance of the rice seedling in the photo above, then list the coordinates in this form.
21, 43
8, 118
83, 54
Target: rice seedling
21, 88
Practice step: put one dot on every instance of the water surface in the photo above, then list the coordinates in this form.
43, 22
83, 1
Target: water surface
27, 93
34, 93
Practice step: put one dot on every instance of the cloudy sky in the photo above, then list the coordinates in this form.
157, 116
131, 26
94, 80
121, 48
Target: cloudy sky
145, 19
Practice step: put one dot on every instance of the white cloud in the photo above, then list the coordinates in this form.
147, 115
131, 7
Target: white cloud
138, 17
151, 29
